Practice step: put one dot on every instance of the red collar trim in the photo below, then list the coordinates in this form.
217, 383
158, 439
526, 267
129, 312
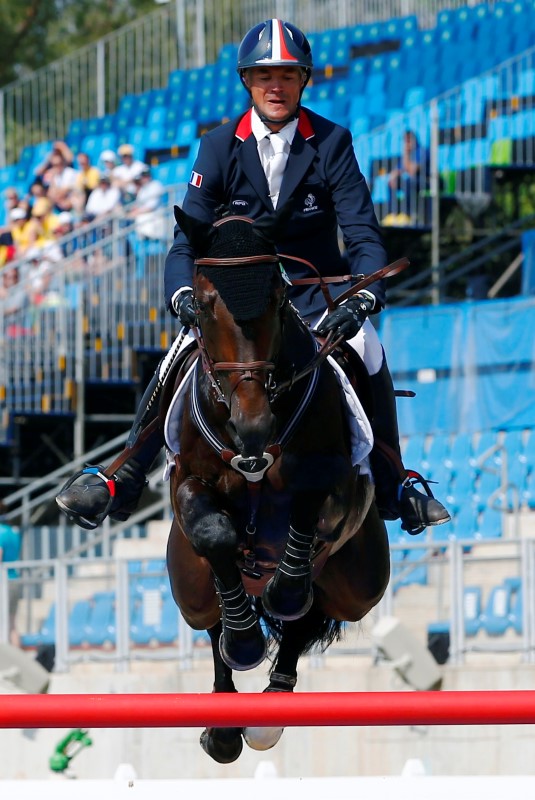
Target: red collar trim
304, 126
245, 128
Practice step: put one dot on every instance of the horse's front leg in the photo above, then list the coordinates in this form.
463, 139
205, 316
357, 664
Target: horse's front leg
213, 537
288, 595
224, 745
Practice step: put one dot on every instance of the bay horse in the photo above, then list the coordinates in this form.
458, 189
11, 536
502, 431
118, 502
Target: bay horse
276, 541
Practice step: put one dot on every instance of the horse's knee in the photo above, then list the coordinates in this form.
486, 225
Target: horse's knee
213, 536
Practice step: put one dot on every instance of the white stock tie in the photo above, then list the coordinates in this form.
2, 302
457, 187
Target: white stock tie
276, 166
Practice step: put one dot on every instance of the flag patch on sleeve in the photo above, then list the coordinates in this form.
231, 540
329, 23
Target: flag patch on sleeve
196, 179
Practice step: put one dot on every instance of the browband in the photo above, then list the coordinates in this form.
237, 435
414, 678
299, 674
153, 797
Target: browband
234, 262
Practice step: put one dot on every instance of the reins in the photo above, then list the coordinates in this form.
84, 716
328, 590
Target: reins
362, 280
250, 370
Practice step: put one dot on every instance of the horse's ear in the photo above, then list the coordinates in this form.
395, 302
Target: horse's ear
271, 227
198, 233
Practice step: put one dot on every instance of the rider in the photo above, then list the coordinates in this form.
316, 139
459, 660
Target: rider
239, 168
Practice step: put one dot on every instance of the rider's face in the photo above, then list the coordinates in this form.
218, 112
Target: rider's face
275, 92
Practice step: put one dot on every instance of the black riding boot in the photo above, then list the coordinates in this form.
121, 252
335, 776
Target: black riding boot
90, 496
395, 492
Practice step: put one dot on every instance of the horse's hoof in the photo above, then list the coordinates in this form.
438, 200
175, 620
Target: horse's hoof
224, 745
287, 599
241, 652
266, 738
262, 738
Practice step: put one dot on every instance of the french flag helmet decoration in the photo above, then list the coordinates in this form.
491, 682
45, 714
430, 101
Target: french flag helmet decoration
275, 43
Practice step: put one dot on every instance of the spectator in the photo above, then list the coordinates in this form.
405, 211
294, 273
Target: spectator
407, 179
10, 551
7, 248
125, 174
102, 200
42, 223
58, 148
20, 229
61, 181
40, 273
11, 201
36, 275
87, 176
107, 160
14, 302
68, 242
147, 208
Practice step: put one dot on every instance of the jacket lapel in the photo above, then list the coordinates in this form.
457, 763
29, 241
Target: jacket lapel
247, 156
302, 153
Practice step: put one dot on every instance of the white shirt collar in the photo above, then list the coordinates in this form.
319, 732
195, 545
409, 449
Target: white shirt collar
260, 130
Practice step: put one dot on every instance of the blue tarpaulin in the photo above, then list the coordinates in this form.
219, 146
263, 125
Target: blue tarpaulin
471, 364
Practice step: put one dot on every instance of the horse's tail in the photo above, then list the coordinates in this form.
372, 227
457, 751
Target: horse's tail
314, 630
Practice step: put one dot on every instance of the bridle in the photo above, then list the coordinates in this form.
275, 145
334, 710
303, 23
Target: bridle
262, 372
259, 371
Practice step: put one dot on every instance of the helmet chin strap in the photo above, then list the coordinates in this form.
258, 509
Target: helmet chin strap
268, 121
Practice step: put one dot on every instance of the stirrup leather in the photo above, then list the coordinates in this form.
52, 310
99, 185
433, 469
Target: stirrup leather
411, 479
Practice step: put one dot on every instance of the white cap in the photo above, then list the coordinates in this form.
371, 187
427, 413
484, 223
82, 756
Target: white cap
108, 155
17, 213
65, 218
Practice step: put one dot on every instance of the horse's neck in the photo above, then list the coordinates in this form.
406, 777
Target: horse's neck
297, 347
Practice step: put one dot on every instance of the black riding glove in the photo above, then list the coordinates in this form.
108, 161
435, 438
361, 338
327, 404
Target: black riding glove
183, 306
347, 319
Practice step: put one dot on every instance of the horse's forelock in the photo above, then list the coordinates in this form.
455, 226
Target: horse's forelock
244, 289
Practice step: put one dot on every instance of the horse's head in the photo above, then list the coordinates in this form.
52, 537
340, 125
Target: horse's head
239, 296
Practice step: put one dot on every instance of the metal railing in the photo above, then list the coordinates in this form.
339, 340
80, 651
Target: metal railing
180, 34
60, 583
84, 319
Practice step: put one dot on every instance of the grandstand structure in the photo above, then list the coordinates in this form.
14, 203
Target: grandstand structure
458, 330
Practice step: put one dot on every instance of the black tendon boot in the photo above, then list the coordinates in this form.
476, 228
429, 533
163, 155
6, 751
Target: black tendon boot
289, 594
90, 496
242, 644
395, 492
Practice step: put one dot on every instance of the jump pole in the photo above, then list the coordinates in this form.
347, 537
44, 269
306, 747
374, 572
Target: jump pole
267, 709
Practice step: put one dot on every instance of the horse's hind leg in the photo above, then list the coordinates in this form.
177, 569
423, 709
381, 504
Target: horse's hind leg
222, 744
297, 637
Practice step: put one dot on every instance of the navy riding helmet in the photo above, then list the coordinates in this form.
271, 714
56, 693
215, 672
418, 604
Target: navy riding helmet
275, 43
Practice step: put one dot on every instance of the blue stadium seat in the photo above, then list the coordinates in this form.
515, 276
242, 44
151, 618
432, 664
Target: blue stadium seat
413, 451
176, 82
380, 189
46, 633
157, 117
490, 524
495, 618
465, 522
78, 623
412, 570
101, 623
472, 610
516, 604
357, 76
526, 83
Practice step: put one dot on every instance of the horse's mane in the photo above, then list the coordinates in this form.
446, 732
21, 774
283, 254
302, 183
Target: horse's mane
245, 289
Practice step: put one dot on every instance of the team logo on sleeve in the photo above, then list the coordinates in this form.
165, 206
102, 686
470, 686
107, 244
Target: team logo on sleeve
196, 179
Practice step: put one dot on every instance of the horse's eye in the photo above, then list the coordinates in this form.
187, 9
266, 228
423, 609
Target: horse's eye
204, 308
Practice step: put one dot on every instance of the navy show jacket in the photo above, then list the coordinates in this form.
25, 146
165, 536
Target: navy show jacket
328, 190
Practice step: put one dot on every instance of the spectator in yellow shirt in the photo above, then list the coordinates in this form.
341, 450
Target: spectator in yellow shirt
88, 176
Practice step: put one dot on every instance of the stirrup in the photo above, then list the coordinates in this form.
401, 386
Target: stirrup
411, 479
89, 469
